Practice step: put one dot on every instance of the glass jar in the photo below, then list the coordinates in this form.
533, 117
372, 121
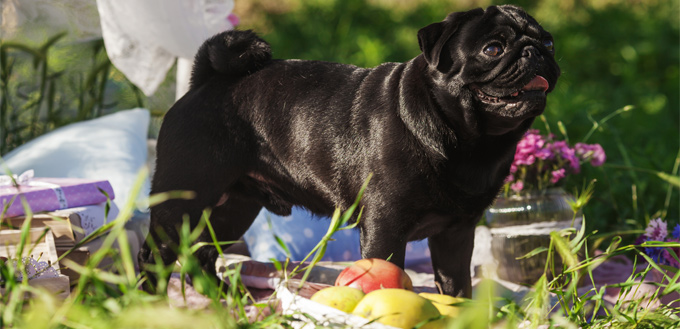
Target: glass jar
521, 223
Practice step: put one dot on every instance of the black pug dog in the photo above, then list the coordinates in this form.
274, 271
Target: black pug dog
438, 133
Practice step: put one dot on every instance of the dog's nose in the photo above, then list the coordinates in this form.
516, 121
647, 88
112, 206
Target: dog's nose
530, 52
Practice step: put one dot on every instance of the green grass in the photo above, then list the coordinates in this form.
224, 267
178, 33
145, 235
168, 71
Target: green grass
112, 299
51, 84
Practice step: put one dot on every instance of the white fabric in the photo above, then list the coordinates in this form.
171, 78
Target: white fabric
35, 20
111, 147
184, 67
143, 37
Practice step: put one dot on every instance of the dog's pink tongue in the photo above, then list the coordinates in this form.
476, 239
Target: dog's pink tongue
538, 83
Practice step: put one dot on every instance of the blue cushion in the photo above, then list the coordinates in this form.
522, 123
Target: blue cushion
302, 230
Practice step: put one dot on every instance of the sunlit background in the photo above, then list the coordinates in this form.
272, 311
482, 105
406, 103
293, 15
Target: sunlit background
613, 53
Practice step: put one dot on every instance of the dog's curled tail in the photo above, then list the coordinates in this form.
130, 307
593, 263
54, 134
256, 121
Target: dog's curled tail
233, 54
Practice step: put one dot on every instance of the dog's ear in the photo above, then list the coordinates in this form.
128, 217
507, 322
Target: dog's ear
433, 37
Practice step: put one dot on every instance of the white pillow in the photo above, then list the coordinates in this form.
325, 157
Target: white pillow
111, 147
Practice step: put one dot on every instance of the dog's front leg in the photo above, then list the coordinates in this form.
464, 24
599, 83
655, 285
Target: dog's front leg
161, 247
451, 252
380, 239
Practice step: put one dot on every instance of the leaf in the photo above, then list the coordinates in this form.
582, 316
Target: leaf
52, 40
613, 245
563, 130
533, 252
282, 244
671, 179
348, 213
563, 249
156, 199
654, 265
538, 302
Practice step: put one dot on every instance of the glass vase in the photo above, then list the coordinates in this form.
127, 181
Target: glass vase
521, 223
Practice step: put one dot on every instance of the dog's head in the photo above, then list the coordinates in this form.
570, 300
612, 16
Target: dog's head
498, 64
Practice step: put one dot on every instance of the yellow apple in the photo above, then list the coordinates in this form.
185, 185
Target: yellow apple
398, 308
341, 298
443, 303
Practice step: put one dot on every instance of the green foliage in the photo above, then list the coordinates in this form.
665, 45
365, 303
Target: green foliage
352, 31
576, 307
614, 54
53, 84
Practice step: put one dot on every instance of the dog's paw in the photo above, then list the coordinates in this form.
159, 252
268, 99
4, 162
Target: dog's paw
155, 264
145, 260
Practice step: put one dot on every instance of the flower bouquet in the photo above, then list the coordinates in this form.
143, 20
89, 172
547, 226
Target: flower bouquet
542, 162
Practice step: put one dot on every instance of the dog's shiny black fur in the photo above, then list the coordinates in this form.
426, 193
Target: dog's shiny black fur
438, 133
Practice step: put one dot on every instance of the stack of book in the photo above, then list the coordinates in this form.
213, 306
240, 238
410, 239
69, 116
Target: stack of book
70, 209
39, 260
69, 227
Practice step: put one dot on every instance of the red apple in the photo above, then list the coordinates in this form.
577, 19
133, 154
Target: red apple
372, 274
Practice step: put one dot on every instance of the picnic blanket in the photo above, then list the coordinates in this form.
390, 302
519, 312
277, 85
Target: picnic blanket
262, 278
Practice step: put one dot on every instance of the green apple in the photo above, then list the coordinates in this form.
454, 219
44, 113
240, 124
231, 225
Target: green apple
341, 298
398, 308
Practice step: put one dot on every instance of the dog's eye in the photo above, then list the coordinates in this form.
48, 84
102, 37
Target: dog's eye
493, 50
548, 44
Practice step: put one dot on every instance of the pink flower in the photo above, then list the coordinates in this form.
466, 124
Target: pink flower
592, 152
557, 175
568, 154
599, 157
517, 186
657, 230
526, 160
583, 150
541, 161
544, 154
531, 142
233, 20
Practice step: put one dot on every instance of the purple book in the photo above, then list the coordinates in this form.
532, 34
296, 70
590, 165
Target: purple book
48, 194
